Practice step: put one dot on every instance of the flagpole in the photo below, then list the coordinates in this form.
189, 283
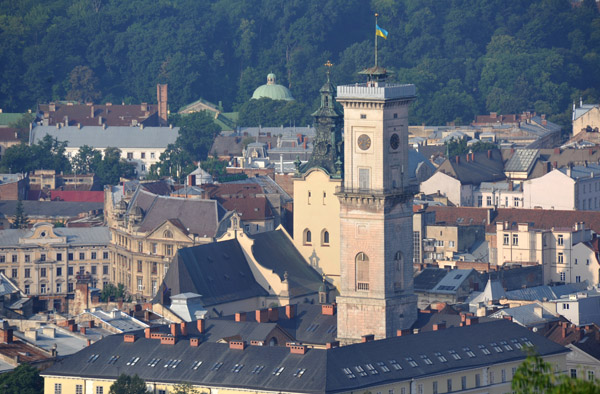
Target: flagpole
376, 15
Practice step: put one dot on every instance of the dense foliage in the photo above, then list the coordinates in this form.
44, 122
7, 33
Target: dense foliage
24, 379
465, 56
48, 154
126, 384
536, 376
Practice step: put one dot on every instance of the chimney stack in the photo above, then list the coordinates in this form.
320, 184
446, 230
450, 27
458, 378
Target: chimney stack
240, 316
194, 342
262, 315
183, 328
290, 311
368, 338
161, 99
92, 112
439, 326
237, 345
174, 329
403, 333
331, 345
328, 310
273, 314
201, 326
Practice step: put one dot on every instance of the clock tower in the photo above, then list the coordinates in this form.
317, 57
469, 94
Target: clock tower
376, 284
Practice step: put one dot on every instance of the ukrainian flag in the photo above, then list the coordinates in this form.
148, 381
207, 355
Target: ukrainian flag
380, 32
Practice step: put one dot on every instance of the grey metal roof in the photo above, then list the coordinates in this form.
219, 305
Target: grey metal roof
50, 209
540, 293
522, 160
75, 236
452, 281
117, 136
582, 171
323, 370
429, 278
525, 315
583, 109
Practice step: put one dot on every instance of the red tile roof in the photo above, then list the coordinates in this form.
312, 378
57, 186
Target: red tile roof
112, 115
251, 208
8, 134
77, 196
539, 218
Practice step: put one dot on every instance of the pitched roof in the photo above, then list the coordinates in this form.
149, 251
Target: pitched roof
274, 250
49, 209
537, 218
475, 169
75, 236
77, 195
493, 291
217, 271
197, 216
8, 134
526, 315
323, 370
112, 115
429, 278
522, 160
250, 208
121, 137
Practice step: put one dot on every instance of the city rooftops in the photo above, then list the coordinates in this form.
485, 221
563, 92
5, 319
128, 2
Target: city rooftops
376, 91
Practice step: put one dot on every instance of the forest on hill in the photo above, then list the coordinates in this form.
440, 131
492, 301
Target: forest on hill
465, 56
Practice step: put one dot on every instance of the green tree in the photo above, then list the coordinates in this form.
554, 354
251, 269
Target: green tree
112, 167
273, 113
126, 384
86, 160
214, 166
111, 291
22, 125
21, 220
535, 376
185, 388
197, 132
83, 85
24, 379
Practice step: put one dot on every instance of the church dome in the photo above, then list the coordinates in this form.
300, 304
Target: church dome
272, 90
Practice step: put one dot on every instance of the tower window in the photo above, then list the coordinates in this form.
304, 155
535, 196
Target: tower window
362, 271
325, 238
363, 116
307, 237
395, 116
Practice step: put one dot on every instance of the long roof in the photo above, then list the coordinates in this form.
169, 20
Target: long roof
122, 137
76, 236
475, 169
323, 370
50, 209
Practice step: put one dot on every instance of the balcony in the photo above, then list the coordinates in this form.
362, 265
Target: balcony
382, 91
405, 192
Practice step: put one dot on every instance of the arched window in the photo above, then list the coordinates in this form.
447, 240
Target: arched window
362, 271
398, 271
307, 236
325, 237
168, 234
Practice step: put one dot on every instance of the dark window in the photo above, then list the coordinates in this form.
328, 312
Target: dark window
105, 255
15, 272
58, 271
93, 255
43, 272
59, 257
105, 270
93, 270
70, 256
70, 271
27, 273
81, 255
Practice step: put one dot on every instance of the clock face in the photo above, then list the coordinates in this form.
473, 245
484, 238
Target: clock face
364, 142
394, 141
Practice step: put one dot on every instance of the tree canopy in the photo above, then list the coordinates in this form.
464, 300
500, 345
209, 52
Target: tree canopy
24, 379
126, 384
465, 56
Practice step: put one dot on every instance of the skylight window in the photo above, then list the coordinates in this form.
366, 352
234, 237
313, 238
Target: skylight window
496, 347
113, 359
133, 360
278, 371
175, 363
469, 352
383, 367
516, 344
441, 357
237, 368
427, 360
331, 329
216, 366
506, 345
371, 369
257, 369
484, 350
526, 341
93, 358
360, 370
299, 372
196, 365
349, 373
412, 362
395, 364
153, 362
455, 355
312, 327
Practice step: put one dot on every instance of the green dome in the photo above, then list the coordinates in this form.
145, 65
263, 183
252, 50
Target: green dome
272, 90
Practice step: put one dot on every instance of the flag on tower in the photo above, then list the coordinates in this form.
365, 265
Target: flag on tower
380, 32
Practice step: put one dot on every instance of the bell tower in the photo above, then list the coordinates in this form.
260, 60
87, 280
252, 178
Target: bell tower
376, 285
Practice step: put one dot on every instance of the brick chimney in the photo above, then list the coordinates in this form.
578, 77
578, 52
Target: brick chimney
489, 153
290, 311
273, 314
240, 316
183, 328
262, 315
129, 338
297, 349
472, 320
368, 338
237, 345
331, 345
161, 99
194, 342
457, 159
7, 335
328, 310
174, 329
403, 333
439, 326
201, 326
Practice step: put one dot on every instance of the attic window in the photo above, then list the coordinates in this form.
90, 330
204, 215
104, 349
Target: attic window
412, 362
133, 360
469, 352
372, 369
331, 329
349, 373
153, 362
113, 359
441, 357
196, 365
506, 345
484, 350
526, 341
427, 360
237, 368
496, 347
216, 366
278, 371
257, 369
312, 327
360, 370
299, 372
383, 367
395, 364
93, 358
516, 344
458, 277
455, 355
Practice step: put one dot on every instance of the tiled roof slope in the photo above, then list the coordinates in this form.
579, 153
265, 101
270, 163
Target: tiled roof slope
274, 250
323, 369
49, 209
538, 218
218, 271
472, 169
112, 115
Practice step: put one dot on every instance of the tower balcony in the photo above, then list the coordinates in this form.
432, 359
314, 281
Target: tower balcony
376, 91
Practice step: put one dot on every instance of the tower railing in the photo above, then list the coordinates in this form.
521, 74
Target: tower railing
379, 90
